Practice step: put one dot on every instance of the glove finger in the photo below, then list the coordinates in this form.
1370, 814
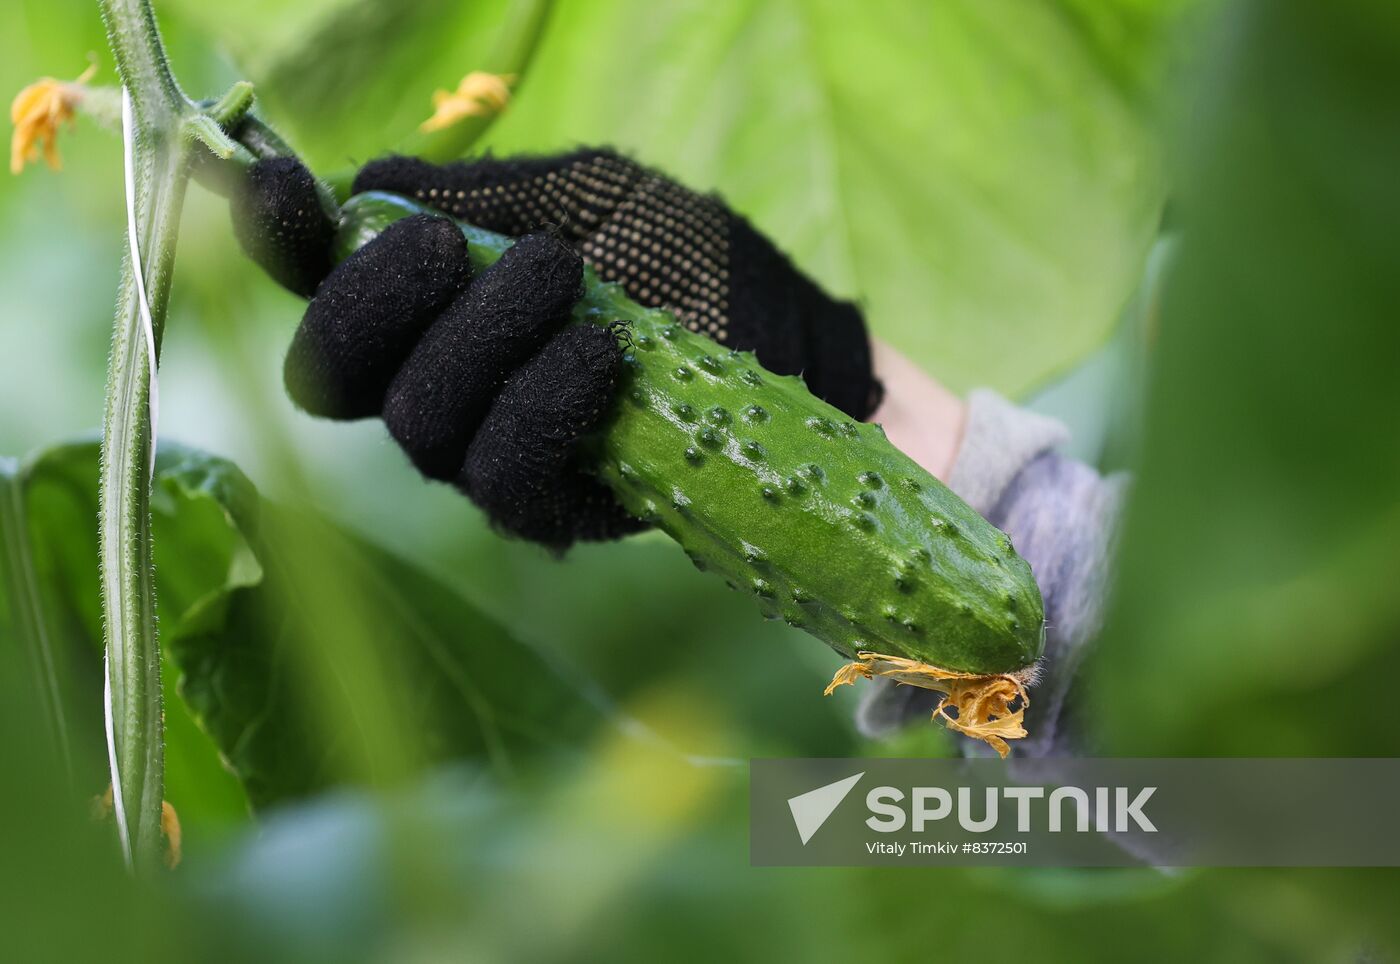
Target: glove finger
368, 313
521, 467
443, 391
572, 192
278, 220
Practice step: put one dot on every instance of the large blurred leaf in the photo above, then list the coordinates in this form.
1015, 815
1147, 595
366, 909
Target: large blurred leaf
982, 174
472, 690
1258, 611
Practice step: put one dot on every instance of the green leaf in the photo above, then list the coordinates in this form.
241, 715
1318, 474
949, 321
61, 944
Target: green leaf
982, 176
466, 687
242, 586
30, 634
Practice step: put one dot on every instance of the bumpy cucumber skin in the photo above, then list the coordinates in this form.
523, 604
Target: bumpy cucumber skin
820, 518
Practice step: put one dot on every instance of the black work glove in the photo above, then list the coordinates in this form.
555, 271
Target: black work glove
478, 379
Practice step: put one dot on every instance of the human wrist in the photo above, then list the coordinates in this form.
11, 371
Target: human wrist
921, 417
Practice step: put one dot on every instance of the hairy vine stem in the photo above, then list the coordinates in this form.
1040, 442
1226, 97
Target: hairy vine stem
161, 126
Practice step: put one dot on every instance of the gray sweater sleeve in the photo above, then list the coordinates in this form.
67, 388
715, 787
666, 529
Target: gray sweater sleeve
1061, 515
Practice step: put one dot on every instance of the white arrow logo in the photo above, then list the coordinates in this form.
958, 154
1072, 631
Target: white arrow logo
810, 809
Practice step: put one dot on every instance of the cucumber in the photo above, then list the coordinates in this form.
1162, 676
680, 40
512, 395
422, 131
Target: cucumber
824, 522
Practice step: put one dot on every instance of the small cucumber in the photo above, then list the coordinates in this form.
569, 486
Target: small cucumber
824, 522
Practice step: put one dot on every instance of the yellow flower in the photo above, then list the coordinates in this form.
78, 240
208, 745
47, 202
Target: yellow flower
478, 95
983, 702
36, 113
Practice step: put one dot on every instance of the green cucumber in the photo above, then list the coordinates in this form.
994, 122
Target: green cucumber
820, 518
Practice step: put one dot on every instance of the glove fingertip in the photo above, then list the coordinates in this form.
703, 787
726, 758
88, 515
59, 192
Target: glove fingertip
546, 268
277, 218
521, 467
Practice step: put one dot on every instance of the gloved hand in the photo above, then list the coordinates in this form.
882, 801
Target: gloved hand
478, 379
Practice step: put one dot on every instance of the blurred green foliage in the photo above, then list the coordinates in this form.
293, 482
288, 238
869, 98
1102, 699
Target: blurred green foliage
973, 172
232, 580
987, 193
1259, 560
987, 177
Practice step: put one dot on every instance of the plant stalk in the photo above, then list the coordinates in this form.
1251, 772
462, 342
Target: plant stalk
160, 128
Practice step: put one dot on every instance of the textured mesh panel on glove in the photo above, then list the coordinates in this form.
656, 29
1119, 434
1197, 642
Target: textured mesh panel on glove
668, 247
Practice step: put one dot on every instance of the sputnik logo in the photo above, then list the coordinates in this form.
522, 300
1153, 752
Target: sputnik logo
811, 809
